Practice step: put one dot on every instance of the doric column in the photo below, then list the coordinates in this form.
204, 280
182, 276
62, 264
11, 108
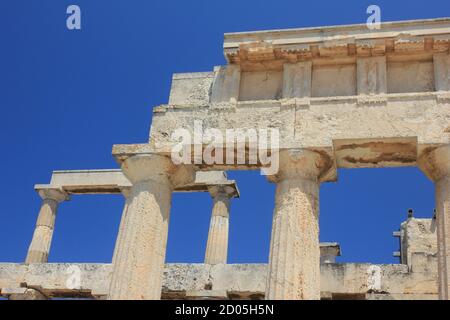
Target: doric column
436, 165
141, 248
40, 244
294, 261
123, 221
217, 246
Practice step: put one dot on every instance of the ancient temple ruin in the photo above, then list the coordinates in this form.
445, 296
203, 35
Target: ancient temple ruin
340, 97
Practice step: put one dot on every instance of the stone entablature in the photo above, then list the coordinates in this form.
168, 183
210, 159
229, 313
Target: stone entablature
401, 57
360, 94
262, 49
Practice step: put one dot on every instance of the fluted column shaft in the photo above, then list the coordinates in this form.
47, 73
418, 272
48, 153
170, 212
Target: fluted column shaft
141, 248
436, 165
217, 245
443, 234
294, 261
40, 244
123, 222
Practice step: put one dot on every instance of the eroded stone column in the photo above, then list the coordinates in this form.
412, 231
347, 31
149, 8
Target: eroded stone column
443, 220
294, 261
40, 244
123, 221
436, 165
443, 233
141, 248
217, 246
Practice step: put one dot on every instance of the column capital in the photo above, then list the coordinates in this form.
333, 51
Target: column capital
224, 190
144, 167
126, 191
301, 163
435, 162
50, 193
158, 168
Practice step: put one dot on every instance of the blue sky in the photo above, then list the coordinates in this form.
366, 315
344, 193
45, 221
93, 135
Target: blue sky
67, 96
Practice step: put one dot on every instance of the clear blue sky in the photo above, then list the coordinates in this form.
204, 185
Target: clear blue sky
67, 96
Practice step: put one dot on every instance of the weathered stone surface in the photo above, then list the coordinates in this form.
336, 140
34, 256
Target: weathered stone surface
239, 281
319, 87
273, 47
141, 249
325, 120
340, 97
226, 85
371, 75
191, 89
297, 80
28, 294
217, 245
417, 235
443, 235
90, 181
106, 181
416, 280
42, 238
329, 251
436, 165
294, 260
442, 71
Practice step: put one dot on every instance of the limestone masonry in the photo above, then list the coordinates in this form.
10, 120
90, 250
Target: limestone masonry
341, 97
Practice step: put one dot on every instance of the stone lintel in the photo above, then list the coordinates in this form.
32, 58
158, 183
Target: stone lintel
330, 248
113, 181
124, 151
102, 181
376, 152
46, 191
